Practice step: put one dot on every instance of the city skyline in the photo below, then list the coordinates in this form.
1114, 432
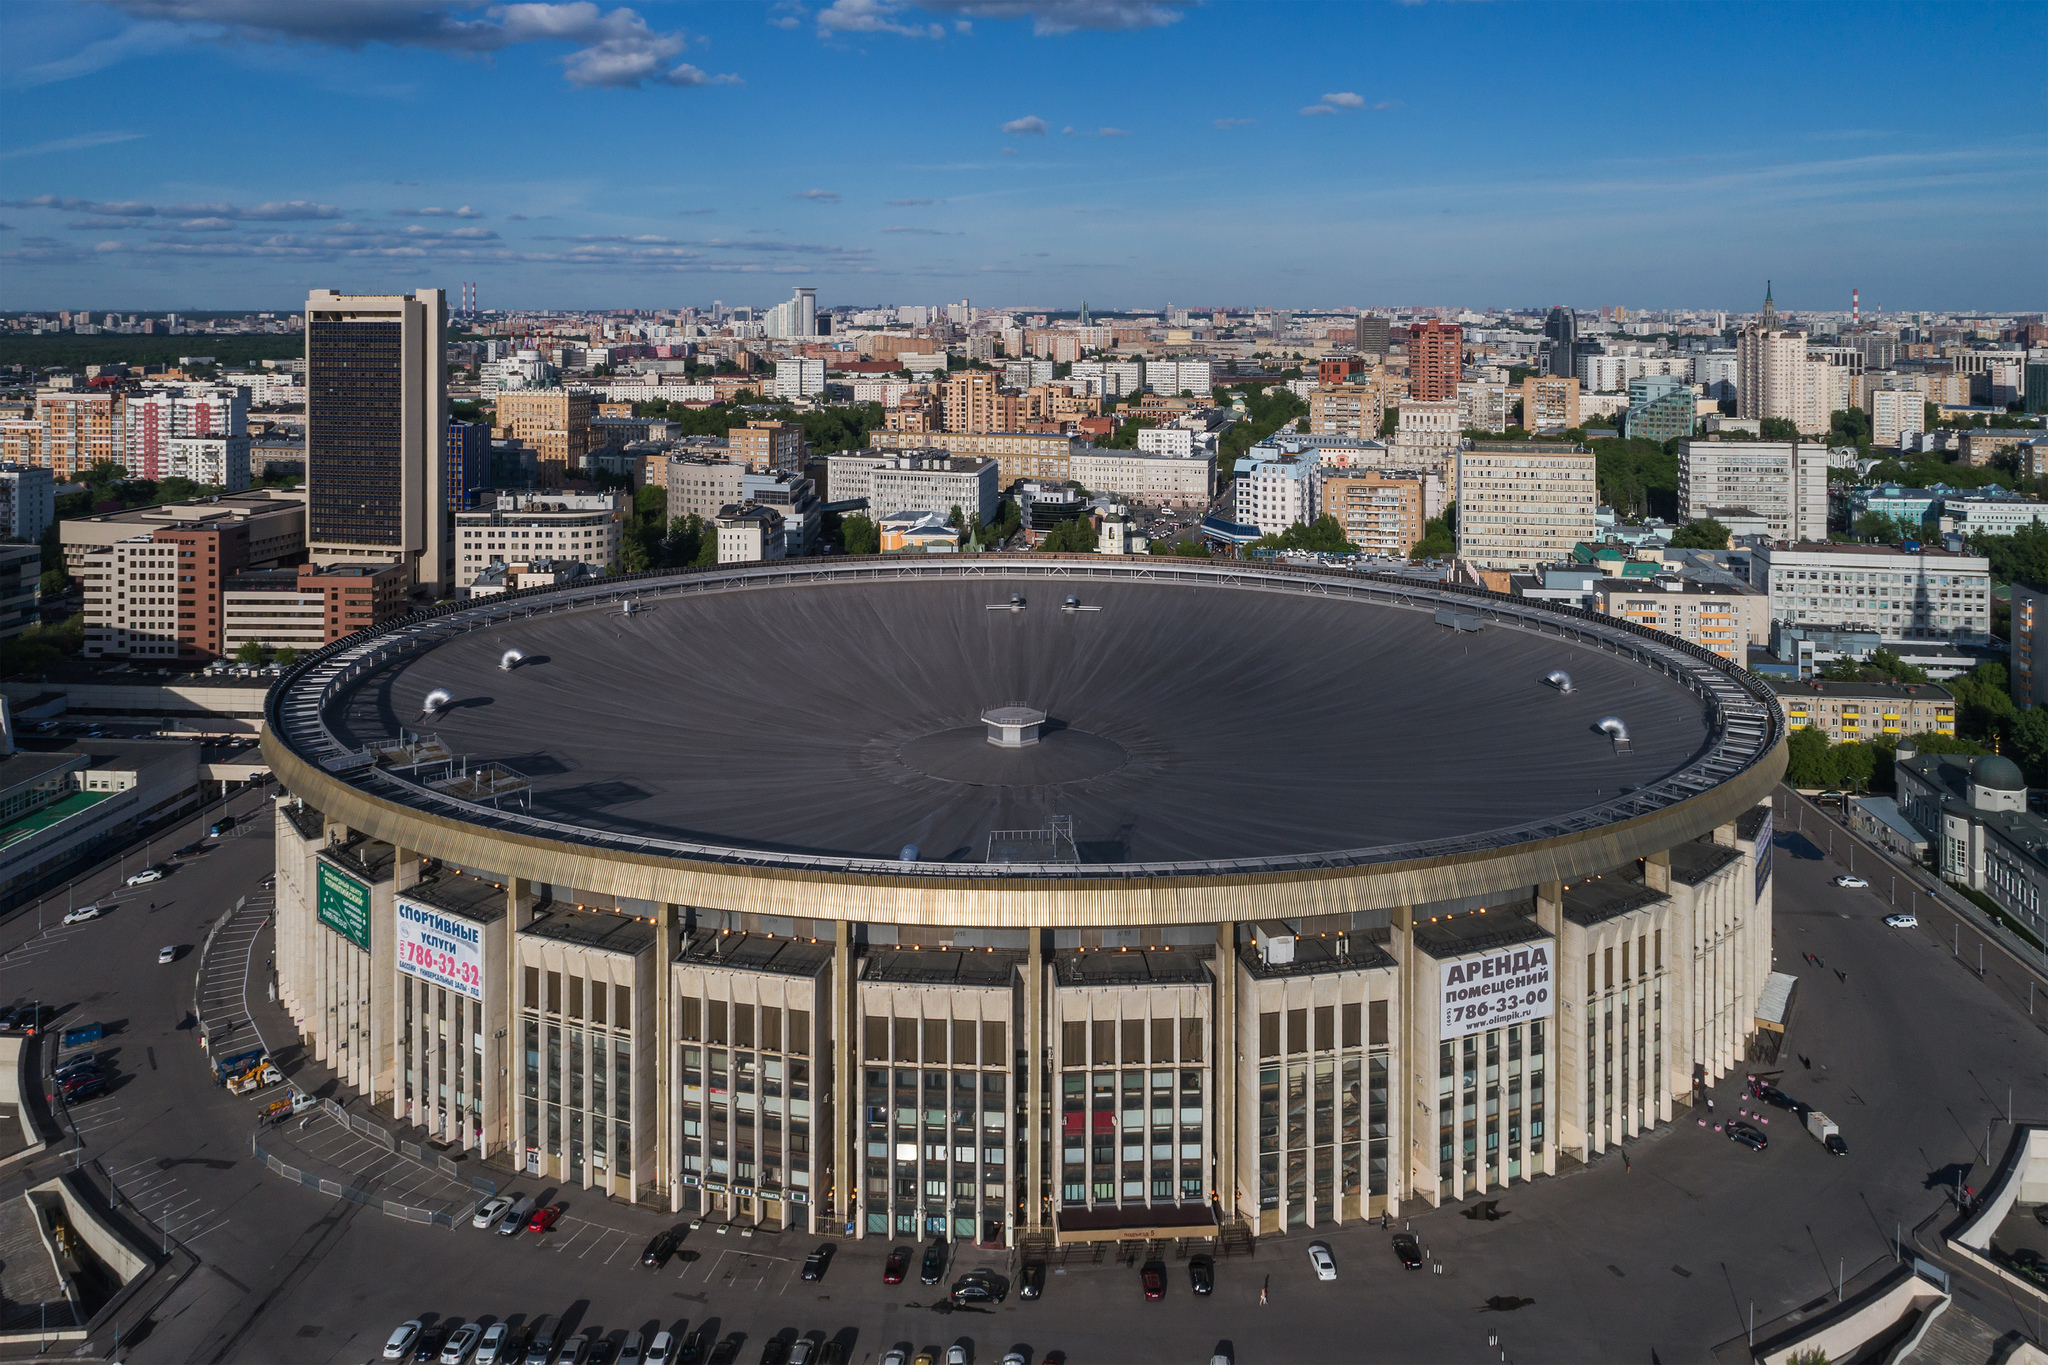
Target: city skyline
567, 156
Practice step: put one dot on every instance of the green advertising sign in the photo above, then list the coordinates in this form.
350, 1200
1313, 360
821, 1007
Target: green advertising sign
345, 906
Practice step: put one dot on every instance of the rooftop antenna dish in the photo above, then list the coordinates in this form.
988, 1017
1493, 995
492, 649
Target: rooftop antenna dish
438, 700
511, 659
1560, 680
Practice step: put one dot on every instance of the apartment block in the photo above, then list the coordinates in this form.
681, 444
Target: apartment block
1924, 594
28, 501
1550, 403
1866, 711
1018, 454
1346, 410
699, 485
21, 588
768, 447
1369, 335
1274, 490
2029, 645
748, 532
583, 527
915, 481
1139, 477
1522, 504
1784, 482
554, 422
309, 606
79, 429
1724, 618
1776, 379
1894, 413
1380, 515
214, 461
1436, 360
799, 377
152, 420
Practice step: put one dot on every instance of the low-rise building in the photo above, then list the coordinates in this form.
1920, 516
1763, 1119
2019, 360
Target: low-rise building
309, 606
748, 532
1984, 514
519, 575
21, 584
1550, 403
1018, 454
1156, 480
1975, 811
1845, 711
915, 481
272, 522
925, 532
520, 527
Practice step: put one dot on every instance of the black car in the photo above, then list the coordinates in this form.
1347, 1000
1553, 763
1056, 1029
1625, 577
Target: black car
84, 1088
1748, 1135
191, 850
428, 1347
815, 1263
726, 1351
1031, 1280
1202, 1274
834, 1353
691, 1352
933, 1269
1409, 1249
978, 1289
1776, 1098
659, 1248
775, 1351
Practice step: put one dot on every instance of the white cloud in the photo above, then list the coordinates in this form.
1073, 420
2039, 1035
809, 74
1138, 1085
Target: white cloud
1224, 125
1030, 124
1317, 110
76, 142
1053, 17
911, 203
289, 211
613, 48
872, 16
464, 212
1344, 99
818, 196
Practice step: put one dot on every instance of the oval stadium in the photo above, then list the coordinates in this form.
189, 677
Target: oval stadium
1016, 898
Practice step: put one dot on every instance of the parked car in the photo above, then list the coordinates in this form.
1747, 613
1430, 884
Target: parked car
661, 1350
460, 1343
1749, 1135
167, 953
1847, 879
1152, 1277
1776, 1098
978, 1289
491, 1210
81, 914
817, 1261
399, 1344
933, 1267
691, 1352
88, 1065
1202, 1274
1031, 1280
893, 1268
1319, 1257
540, 1340
546, 1218
146, 876
84, 1088
660, 1247
630, 1351
1903, 921
775, 1351
726, 1351
427, 1349
221, 826
490, 1348
515, 1217
1409, 1248
191, 850
575, 1351
956, 1354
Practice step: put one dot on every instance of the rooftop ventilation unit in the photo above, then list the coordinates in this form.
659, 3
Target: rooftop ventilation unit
907, 854
1559, 679
1612, 727
1073, 603
438, 700
511, 659
1013, 727
1016, 603
1457, 620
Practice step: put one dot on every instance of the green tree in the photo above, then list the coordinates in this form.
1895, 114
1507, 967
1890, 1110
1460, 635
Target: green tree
2030, 744
1071, 537
1390, 421
1892, 668
633, 555
1707, 534
1806, 759
863, 537
1324, 534
1778, 429
1849, 427
250, 653
2021, 557
1637, 478
1984, 707
650, 504
285, 657
55, 581
1191, 549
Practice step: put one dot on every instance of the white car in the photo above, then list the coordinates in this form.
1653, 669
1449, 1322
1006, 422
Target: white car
146, 876
1848, 879
461, 1344
1319, 1257
493, 1343
402, 1338
82, 914
661, 1350
167, 953
491, 1211
1903, 921
895, 1356
956, 1354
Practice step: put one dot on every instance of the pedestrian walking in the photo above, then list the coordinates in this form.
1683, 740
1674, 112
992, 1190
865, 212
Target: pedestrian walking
1262, 1291
1625, 1167
1710, 1104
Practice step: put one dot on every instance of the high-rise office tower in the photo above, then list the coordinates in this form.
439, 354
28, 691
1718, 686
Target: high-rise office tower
1369, 335
1436, 360
1560, 342
377, 431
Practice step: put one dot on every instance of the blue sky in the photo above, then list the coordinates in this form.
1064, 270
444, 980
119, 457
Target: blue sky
233, 153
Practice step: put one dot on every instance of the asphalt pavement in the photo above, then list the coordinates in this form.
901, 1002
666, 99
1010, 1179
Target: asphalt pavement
1660, 1257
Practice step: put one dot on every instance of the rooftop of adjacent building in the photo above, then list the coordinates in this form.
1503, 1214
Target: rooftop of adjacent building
778, 955
1147, 966
1458, 932
255, 502
922, 965
1862, 691
1832, 548
1315, 954
605, 930
459, 893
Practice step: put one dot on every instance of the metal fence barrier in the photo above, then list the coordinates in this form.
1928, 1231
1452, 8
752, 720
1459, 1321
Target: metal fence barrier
334, 1188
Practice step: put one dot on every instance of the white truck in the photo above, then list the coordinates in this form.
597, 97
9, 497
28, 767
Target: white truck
1825, 1132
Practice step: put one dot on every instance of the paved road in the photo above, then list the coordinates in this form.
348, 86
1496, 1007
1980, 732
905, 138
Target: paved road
1909, 1051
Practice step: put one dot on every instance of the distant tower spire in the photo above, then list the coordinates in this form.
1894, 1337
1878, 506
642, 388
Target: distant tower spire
1770, 309
1084, 313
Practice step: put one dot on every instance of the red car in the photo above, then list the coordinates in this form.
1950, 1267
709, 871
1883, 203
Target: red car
1153, 1277
543, 1219
898, 1262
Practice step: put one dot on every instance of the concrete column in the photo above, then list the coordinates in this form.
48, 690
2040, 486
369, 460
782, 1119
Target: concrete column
518, 892
1223, 1057
1034, 1107
845, 1127
667, 919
